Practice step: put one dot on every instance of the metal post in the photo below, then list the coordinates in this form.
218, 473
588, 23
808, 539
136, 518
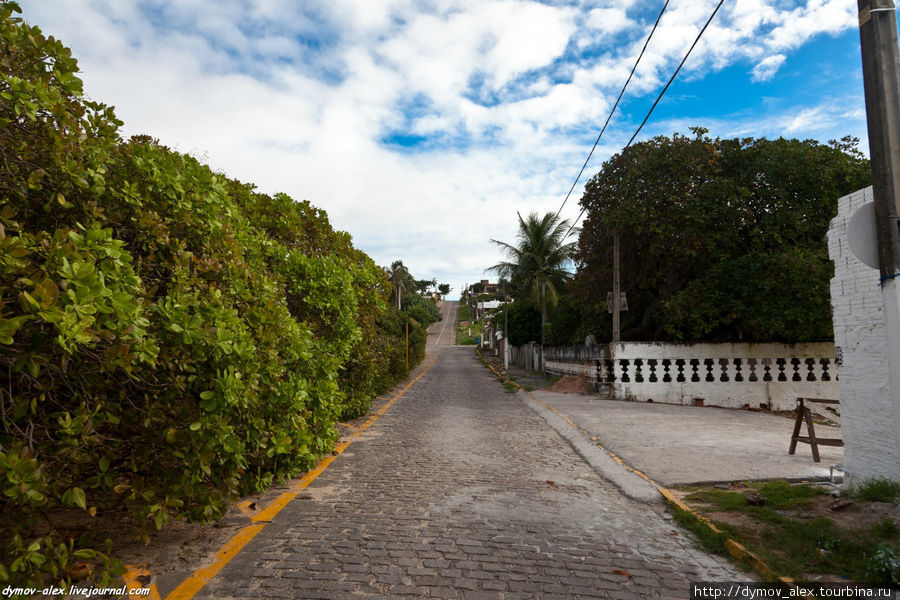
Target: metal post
616, 293
881, 80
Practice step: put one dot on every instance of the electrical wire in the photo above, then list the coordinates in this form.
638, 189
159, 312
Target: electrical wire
658, 98
622, 93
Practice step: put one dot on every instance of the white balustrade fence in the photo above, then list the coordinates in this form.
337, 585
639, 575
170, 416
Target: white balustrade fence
769, 376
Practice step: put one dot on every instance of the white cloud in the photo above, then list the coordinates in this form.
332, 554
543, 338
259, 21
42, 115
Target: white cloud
767, 67
296, 97
608, 20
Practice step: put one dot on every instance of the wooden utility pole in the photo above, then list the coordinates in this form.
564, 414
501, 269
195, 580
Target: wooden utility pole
616, 293
881, 79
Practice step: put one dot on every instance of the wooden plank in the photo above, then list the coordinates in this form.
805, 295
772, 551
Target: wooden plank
823, 412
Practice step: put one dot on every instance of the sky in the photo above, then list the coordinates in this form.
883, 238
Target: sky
424, 126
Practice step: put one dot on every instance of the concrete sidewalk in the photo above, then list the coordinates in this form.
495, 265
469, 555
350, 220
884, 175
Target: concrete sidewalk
684, 444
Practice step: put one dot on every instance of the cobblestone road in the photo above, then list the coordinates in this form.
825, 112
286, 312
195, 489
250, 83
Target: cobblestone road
461, 491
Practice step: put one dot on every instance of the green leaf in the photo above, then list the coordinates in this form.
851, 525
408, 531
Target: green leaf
209, 404
194, 426
78, 498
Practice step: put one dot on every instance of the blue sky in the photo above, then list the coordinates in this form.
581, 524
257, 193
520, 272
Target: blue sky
422, 127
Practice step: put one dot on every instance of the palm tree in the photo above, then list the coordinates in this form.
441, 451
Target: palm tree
537, 264
400, 280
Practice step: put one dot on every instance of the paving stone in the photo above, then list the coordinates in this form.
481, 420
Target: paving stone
446, 496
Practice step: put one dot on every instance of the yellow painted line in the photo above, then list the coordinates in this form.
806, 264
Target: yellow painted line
672, 499
739, 551
195, 582
132, 582
201, 577
735, 548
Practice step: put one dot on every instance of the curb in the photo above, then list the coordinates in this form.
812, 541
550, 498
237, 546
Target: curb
734, 548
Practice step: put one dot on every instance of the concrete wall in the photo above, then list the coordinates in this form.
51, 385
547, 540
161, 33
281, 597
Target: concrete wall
870, 449
769, 376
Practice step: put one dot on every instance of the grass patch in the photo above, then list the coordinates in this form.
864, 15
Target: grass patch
778, 494
462, 312
877, 490
709, 539
510, 387
796, 533
466, 334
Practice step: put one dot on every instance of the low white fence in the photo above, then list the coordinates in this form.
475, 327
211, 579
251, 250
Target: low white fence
769, 376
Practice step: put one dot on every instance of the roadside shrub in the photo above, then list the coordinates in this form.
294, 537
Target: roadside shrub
884, 564
423, 309
169, 338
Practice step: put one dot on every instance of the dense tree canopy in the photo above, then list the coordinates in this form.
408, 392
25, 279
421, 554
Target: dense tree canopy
721, 239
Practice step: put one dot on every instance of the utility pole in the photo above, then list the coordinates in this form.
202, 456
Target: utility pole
505, 326
881, 79
616, 293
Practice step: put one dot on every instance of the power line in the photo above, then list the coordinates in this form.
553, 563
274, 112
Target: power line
622, 93
658, 98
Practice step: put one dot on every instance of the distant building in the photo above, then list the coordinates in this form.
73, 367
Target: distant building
484, 287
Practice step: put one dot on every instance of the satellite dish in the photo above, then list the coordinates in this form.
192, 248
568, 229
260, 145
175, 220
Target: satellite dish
862, 237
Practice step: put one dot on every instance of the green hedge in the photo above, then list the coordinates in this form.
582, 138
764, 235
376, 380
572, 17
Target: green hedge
170, 339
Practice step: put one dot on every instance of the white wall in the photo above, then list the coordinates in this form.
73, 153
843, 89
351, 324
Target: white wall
870, 449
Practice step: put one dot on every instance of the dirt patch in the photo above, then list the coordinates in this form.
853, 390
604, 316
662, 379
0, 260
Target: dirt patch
571, 384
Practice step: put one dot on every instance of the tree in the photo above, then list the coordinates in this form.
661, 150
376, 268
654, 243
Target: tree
401, 281
444, 289
721, 239
422, 309
522, 322
537, 265
422, 285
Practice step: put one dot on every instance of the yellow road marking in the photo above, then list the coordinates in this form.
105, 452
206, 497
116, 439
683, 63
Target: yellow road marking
199, 578
133, 583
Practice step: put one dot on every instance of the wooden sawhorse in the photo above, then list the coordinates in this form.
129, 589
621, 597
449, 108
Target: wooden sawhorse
805, 408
